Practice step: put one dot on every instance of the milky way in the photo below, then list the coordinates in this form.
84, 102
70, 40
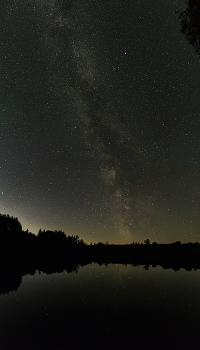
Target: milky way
100, 120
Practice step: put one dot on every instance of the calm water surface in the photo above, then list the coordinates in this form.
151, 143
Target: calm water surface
101, 307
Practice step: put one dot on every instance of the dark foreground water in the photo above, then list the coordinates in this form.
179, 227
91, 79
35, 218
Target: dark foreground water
113, 307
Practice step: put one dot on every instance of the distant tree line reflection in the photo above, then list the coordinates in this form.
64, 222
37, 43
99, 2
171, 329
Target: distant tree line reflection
21, 253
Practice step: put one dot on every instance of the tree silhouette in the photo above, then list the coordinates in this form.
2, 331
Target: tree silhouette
177, 243
74, 240
147, 241
51, 238
9, 224
190, 23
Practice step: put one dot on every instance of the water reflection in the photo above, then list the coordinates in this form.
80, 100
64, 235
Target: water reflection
11, 275
109, 307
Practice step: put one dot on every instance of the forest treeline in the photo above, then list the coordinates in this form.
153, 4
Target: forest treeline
13, 236
15, 243
22, 252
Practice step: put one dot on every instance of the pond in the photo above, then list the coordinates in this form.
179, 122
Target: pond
103, 307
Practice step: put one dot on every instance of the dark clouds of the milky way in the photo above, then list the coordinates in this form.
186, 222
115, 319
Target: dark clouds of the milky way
99, 120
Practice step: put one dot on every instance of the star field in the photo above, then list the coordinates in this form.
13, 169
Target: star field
99, 120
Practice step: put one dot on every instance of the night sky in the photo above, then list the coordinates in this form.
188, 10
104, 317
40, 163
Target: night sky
100, 120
